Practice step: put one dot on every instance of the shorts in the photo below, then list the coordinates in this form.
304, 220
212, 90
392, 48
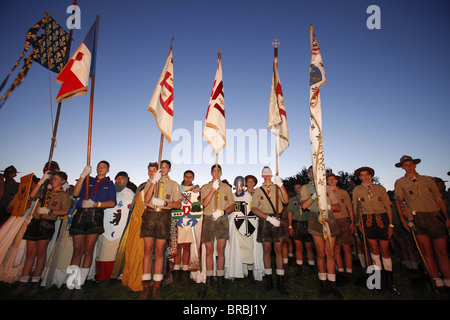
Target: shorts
301, 231
87, 222
431, 224
316, 229
156, 224
39, 229
376, 226
215, 229
345, 237
267, 232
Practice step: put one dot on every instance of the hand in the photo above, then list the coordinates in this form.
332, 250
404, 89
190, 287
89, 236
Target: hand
86, 171
43, 210
46, 176
158, 202
291, 231
278, 181
217, 214
156, 177
216, 184
274, 221
87, 203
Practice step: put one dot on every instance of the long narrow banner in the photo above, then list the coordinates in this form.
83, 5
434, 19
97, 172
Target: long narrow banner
161, 103
316, 80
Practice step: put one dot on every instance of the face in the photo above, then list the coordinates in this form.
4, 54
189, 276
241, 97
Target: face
152, 171
365, 176
102, 169
120, 181
267, 176
216, 173
250, 183
165, 169
332, 181
57, 182
188, 178
298, 188
409, 166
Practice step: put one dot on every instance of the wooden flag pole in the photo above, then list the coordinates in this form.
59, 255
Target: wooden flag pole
91, 111
276, 43
219, 56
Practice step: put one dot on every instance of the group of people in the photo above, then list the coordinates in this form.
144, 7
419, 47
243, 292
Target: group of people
214, 233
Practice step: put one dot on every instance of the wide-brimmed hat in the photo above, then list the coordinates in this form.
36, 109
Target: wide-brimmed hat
405, 159
333, 175
249, 176
10, 169
368, 169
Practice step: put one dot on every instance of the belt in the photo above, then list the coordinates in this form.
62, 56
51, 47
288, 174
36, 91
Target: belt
159, 209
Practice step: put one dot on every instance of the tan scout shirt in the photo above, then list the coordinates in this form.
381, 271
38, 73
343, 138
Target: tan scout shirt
345, 203
167, 190
224, 197
308, 190
260, 200
419, 196
373, 199
58, 201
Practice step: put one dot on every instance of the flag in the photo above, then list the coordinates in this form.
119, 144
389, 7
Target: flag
317, 78
50, 49
161, 103
214, 129
74, 78
277, 113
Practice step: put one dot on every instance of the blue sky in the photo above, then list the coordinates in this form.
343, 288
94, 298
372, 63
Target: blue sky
387, 93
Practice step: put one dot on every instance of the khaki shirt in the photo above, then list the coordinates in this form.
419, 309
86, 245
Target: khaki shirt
58, 201
225, 197
260, 200
345, 203
420, 198
309, 189
167, 190
295, 208
373, 199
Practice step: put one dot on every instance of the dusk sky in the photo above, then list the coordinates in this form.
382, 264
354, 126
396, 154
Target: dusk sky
388, 90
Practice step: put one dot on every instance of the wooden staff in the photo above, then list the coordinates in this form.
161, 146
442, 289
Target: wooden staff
276, 43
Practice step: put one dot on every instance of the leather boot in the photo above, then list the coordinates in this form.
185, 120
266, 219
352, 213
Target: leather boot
176, 276
145, 291
280, 285
220, 287
323, 291
269, 283
209, 282
390, 282
155, 292
333, 289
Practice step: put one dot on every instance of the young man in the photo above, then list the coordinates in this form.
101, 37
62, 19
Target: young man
298, 230
41, 228
344, 220
374, 205
162, 196
218, 202
87, 222
270, 230
189, 194
430, 218
325, 249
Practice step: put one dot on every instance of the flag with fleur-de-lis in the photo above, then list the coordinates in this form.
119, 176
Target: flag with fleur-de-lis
161, 103
317, 78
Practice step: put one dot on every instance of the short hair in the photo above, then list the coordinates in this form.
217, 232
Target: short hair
189, 171
218, 166
61, 174
153, 164
105, 162
166, 162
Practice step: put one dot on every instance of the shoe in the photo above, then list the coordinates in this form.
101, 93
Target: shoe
145, 290
209, 282
332, 289
280, 286
220, 289
269, 282
390, 282
323, 290
155, 292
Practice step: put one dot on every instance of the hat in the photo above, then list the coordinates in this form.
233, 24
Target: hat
10, 169
121, 173
333, 175
405, 159
251, 177
368, 169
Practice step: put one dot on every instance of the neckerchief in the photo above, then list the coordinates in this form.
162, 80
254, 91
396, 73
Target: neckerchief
268, 188
416, 183
95, 189
161, 186
51, 194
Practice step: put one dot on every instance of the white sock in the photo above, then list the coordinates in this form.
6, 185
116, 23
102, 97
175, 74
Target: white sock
387, 263
176, 267
268, 271
280, 272
158, 277
84, 272
331, 277
146, 277
322, 276
439, 282
24, 279
376, 260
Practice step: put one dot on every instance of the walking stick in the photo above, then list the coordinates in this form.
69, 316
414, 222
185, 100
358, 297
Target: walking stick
361, 221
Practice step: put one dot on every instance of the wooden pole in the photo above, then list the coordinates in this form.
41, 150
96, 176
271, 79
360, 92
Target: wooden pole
277, 196
91, 111
219, 56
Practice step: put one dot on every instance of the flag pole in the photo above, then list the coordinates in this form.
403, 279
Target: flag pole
91, 111
276, 43
219, 56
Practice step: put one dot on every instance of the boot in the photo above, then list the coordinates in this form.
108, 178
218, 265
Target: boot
280, 286
209, 282
220, 288
250, 276
184, 276
176, 276
390, 282
323, 291
269, 283
332, 289
299, 269
155, 292
145, 290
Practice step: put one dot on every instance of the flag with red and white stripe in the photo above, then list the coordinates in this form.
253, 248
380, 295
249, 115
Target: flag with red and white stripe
214, 130
161, 103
